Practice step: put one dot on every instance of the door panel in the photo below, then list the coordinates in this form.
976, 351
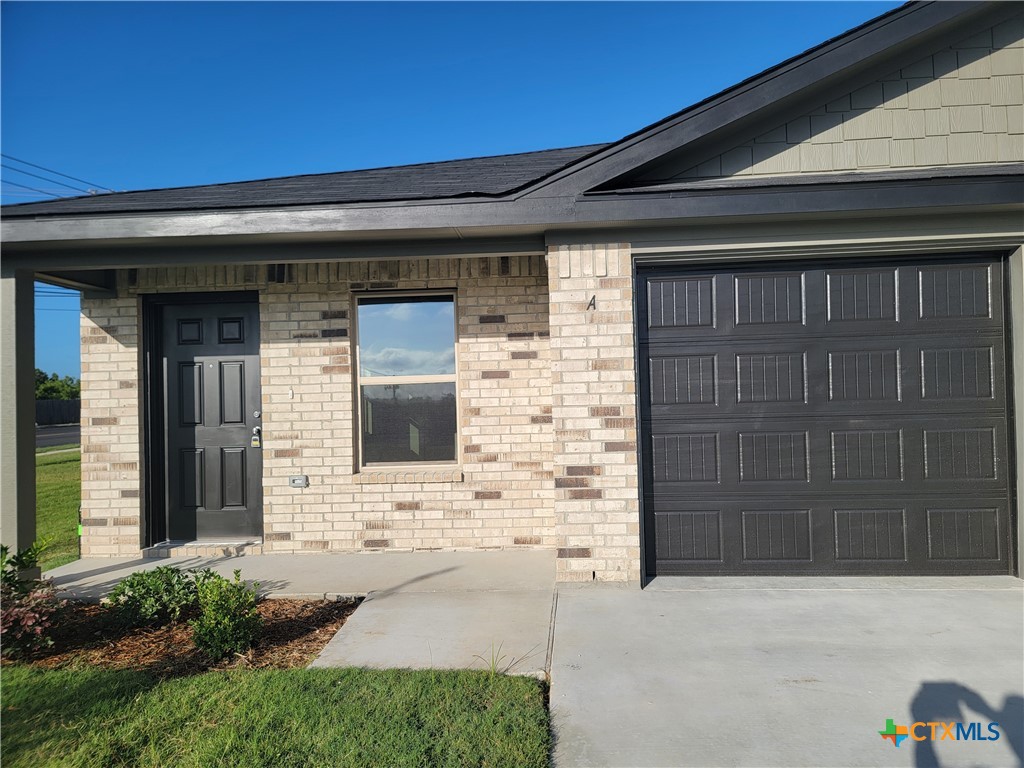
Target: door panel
210, 355
821, 419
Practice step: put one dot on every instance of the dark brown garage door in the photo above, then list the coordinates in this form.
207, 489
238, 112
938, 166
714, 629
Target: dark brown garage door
802, 418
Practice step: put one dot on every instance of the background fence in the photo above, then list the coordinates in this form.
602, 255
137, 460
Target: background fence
58, 411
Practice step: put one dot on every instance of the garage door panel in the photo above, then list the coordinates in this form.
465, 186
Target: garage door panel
880, 455
847, 419
826, 376
841, 535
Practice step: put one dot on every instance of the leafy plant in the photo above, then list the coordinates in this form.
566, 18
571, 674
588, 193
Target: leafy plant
228, 622
12, 566
29, 605
157, 596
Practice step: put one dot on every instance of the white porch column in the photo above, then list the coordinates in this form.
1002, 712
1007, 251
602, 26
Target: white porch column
17, 409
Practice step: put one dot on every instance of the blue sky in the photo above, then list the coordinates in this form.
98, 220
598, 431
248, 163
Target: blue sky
142, 95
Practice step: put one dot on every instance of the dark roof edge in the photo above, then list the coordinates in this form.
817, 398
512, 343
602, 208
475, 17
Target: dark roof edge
800, 179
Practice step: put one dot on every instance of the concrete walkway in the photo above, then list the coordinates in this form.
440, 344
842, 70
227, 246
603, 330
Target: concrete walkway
786, 672
421, 610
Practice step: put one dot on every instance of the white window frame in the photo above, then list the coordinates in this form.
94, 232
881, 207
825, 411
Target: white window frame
361, 381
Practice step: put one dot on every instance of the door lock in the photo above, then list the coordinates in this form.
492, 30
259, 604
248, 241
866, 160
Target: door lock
256, 441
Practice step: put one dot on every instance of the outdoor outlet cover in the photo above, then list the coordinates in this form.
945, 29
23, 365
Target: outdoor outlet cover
299, 481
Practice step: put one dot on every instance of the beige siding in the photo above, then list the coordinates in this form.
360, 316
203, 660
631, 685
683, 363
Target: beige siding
961, 106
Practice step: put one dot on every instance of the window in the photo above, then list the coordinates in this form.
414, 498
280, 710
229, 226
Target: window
406, 379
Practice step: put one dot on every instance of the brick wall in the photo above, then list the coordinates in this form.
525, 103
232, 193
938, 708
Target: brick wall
593, 403
110, 427
502, 494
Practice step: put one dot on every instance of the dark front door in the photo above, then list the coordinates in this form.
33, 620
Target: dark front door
826, 418
212, 417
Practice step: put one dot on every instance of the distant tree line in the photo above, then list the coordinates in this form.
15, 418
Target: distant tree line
49, 386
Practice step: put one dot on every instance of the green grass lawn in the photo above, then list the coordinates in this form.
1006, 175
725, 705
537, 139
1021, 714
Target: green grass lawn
58, 494
279, 718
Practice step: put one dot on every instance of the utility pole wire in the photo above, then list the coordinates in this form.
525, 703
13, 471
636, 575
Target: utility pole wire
41, 192
50, 170
36, 175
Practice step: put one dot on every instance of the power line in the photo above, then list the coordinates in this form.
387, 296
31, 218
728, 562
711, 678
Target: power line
50, 170
41, 192
36, 175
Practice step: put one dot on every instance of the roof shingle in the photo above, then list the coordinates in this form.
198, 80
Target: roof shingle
478, 176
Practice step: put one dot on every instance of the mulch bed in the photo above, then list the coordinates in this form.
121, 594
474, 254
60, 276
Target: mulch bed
294, 632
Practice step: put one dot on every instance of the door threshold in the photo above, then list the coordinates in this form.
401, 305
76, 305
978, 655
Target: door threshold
205, 548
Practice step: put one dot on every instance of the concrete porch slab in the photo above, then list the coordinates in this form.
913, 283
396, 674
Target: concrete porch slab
422, 609
761, 672
335, 575
446, 630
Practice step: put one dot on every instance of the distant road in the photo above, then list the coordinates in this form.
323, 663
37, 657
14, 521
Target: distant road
61, 435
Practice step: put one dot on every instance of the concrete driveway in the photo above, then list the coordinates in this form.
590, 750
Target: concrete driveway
786, 672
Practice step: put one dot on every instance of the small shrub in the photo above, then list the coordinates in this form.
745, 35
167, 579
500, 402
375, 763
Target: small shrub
11, 566
228, 622
157, 596
29, 605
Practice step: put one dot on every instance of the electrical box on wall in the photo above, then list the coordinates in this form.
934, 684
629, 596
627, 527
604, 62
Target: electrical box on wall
299, 481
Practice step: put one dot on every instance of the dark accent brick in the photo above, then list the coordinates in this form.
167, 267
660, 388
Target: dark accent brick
356, 286
586, 493
519, 335
376, 525
471, 449
305, 335
605, 410
125, 521
285, 453
619, 423
382, 286
104, 421
98, 521
526, 540
471, 411
408, 506
130, 493
543, 334
332, 333
492, 318
540, 419
335, 369
487, 457
524, 355
318, 544
377, 543
286, 536
334, 314
127, 384
567, 552
572, 482
485, 495
615, 447
586, 470
494, 375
